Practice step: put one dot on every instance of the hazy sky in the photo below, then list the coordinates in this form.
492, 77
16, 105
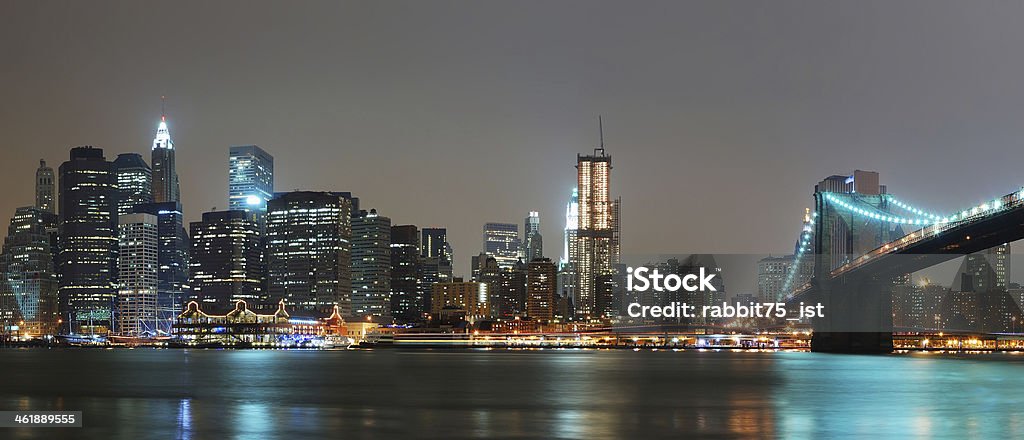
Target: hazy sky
720, 116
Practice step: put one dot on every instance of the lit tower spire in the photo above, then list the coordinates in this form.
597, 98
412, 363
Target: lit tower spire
165, 175
163, 136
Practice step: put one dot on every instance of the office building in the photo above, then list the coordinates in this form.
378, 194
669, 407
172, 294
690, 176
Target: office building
137, 269
88, 241
134, 182
597, 248
250, 178
309, 251
45, 188
533, 243
173, 253
540, 290
165, 174
226, 262
406, 296
28, 287
371, 265
772, 273
501, 241
457, 300
435, 244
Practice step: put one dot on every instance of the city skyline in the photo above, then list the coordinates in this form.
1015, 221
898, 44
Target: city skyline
327, 116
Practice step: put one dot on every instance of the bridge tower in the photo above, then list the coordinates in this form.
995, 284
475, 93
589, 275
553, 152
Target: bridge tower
858, 310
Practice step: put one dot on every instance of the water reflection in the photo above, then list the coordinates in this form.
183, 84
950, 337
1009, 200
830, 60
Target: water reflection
551, 394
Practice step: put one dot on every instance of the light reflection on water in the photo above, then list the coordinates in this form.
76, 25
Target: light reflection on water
245, 394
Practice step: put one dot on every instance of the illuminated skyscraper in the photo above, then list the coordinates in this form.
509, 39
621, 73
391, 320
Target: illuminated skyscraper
226, 262
28, 277
45, 183
165, 175
134, 182
406, 296
371, 265
501, 241
435, 264
533, 243
309, 250
985, 271
250, 178
88, 241
137, 270
567, 268
173, 250
435, 244
540, 289
597, 239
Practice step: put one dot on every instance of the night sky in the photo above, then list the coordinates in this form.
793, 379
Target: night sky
720, 116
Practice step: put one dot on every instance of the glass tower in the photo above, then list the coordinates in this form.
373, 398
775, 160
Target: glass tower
309, 246
134, 182
138, 271
250, 178
501, 241
88, 242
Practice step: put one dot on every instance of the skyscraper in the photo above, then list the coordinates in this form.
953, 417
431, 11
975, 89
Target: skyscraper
540, 290
137, 270
45, 183
88, 241
597, 239
226, 263
501, 241
371, 265
165, 175
309, 250
772, 273
173, 251
134, 182
28, 277
567, 268
533, 243
250, 178
985, 271
435, 262
406, 296
457, 300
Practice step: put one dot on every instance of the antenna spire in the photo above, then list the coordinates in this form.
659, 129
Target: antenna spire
163, 114
600, 129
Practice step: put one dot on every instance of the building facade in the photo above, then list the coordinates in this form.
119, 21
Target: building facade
173, 253
540, 289
501, 241
226, 260
371, 265
406, 296
134, 182
309, 251
250, 178
597, 250
28, 289
533, 243
165, 173
772, 273
466, 299
88, 241
46, 183
138, 270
